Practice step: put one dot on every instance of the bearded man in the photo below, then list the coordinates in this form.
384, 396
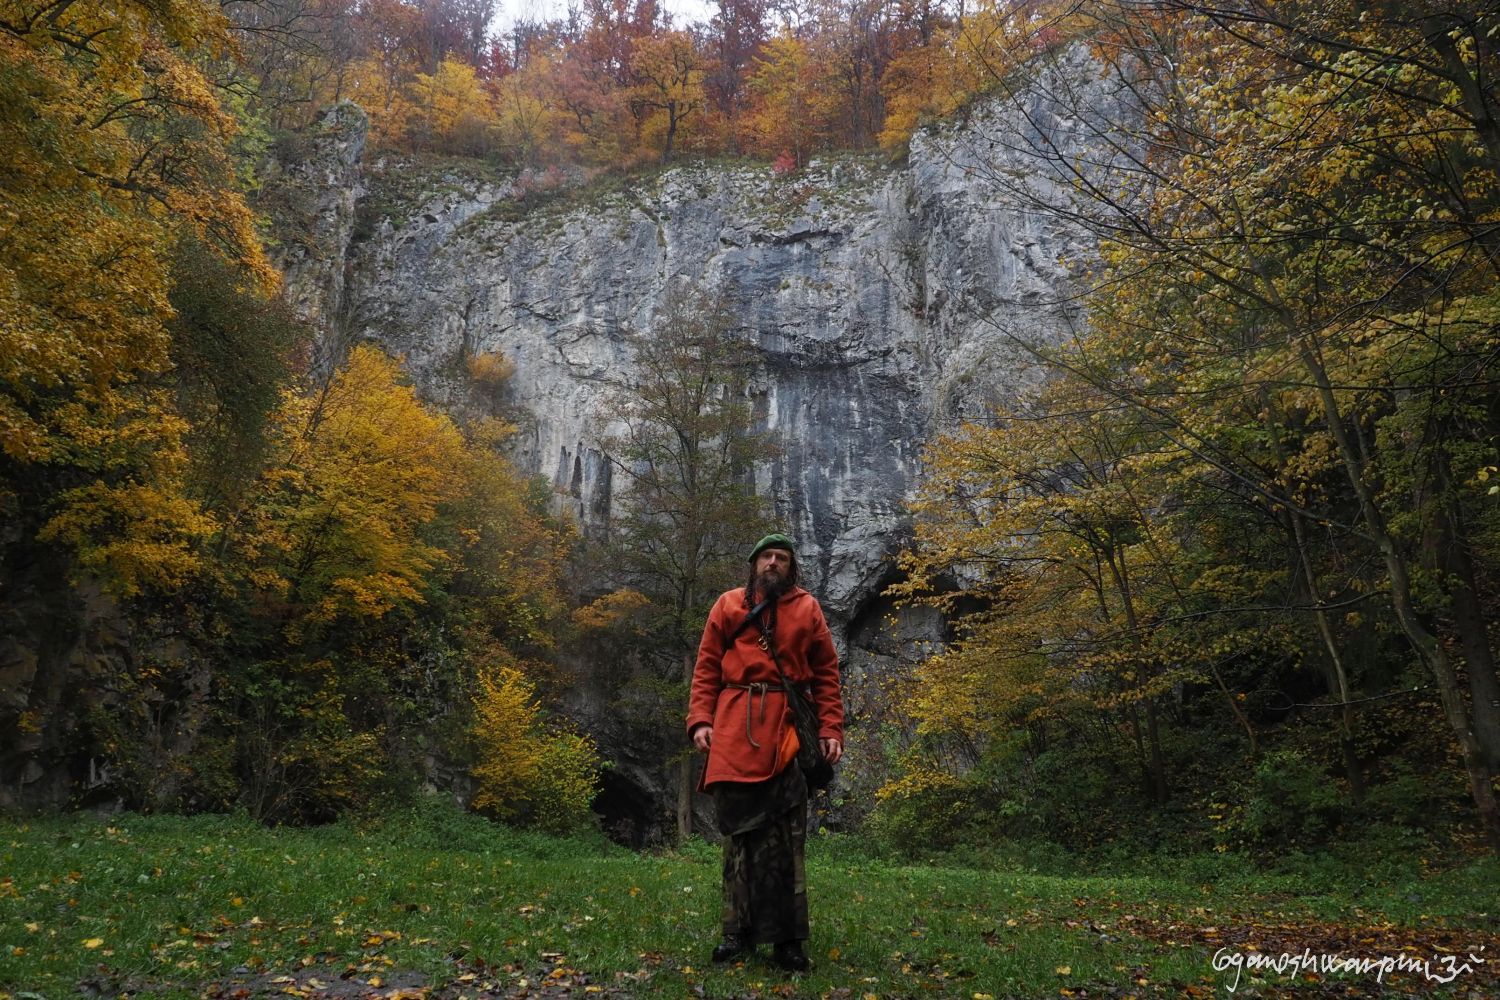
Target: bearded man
738, 715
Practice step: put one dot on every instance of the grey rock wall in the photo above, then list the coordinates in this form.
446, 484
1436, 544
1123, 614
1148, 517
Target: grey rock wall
884, 300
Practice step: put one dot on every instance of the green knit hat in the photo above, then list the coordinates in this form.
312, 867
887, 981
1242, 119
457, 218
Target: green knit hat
773, 542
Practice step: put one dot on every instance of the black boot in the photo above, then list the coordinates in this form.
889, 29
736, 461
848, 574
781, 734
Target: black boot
732, 947
789, 955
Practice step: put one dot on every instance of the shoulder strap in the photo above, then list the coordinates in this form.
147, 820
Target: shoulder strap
754, 614
770, 646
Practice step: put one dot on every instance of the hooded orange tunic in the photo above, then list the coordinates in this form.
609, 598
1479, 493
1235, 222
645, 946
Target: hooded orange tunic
744, 718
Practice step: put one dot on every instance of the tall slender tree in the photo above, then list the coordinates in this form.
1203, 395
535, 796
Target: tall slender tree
685, 447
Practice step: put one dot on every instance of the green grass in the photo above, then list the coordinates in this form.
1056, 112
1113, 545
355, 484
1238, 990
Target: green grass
177, 907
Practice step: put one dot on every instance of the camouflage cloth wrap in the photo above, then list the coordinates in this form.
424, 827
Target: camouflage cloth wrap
765, 881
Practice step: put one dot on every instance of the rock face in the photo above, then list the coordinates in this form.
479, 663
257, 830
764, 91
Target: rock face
311, 190
885, 301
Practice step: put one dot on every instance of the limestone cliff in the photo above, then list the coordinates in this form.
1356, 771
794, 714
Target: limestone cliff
883, 299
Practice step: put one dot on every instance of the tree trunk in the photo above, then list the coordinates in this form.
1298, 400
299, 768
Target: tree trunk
1468, 621
1141, 758
1157, 784
1337, 675
666, 153
685, 781
1234, 706
1426, 645
1158, 762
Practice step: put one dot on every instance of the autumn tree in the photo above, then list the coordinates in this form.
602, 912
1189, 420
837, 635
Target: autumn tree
293, 55
529, 126
1077, 542
1284, 239
684, 448
793, 107
447, 110
119, 168
382, 557
233, 354
388, 55
734, 36
852, 47
118, 143
939, 66
456, 29
669, 85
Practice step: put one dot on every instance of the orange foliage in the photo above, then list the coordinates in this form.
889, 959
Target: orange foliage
618, 85
793, 106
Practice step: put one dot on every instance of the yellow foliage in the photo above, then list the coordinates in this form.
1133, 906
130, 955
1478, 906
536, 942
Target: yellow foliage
491, 371
506, 548
794, 106
135, 536
527, 774
446, 110
919, 779
115, 141
528, 126
668, 93
610, 610
376, 87
364, 466
919, 85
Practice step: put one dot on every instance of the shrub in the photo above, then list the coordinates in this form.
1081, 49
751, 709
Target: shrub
529, 774
1290, 801
926, 810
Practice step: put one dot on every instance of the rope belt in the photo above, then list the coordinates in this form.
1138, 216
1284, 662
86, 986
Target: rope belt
761, 688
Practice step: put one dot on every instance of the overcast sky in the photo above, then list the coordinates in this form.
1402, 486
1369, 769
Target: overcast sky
683, 11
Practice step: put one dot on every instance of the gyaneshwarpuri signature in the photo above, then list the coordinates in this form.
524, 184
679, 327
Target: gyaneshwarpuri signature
1439, 969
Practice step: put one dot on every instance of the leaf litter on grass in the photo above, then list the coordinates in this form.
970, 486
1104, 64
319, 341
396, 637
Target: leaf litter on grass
467, 979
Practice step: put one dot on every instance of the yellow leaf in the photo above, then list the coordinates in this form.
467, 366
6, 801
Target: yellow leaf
93, 942
1064, 970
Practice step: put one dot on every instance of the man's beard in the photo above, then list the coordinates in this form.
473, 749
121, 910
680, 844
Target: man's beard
770, 585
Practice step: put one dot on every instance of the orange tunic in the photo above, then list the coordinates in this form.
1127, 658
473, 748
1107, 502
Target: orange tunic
744, 718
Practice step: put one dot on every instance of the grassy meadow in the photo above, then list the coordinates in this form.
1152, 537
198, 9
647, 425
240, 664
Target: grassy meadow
434, 903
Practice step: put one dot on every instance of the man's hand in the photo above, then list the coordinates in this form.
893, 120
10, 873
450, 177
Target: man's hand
832, 749
703, 736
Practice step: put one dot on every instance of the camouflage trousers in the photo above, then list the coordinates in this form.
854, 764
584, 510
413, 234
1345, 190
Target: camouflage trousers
765, 880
